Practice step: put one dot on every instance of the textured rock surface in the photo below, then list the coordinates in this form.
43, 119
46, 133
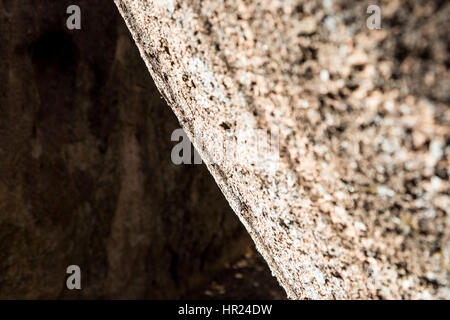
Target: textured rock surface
85, 170
359, 205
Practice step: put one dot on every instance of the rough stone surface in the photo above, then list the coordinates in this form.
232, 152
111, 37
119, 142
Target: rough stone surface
359, 205
85, 170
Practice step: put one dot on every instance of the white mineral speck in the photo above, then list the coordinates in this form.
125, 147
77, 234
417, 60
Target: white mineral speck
384, 191
324, 75
436, 149
168, 4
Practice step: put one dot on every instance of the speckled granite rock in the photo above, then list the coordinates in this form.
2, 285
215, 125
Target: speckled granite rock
85, 171
359, 204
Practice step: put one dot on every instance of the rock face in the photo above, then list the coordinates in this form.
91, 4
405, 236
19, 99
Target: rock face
85, 171
358, 206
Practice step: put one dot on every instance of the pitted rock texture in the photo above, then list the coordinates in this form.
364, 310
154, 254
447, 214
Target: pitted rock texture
85, 171
359, 205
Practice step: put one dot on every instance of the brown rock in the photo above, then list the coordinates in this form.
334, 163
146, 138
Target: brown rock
245, 65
